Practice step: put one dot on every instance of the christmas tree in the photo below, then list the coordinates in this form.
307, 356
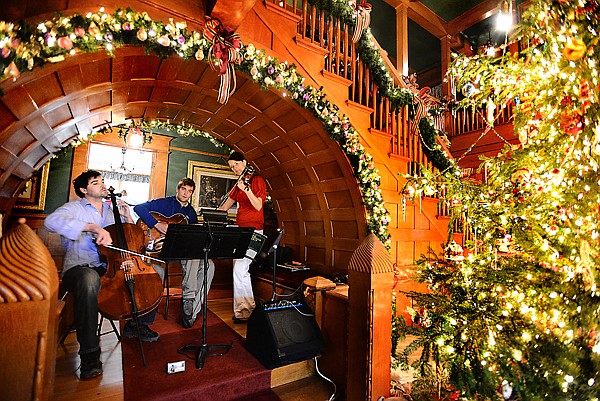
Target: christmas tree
520, 311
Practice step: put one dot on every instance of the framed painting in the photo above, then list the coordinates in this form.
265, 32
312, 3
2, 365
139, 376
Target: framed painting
33, 196
213, 183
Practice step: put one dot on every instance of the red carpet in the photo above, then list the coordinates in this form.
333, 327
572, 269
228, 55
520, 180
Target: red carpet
235, 376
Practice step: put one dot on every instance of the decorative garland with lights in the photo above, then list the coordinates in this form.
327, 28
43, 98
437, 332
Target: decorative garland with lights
22, 48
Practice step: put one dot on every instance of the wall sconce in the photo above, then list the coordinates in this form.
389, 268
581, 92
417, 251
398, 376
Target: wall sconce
505, 16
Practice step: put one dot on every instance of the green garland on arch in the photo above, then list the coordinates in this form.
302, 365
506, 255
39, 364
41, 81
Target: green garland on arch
23, 48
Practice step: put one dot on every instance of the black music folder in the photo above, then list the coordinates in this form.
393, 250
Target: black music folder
189, 241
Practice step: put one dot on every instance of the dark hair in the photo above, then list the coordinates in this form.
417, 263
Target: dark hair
236, 156
83, 180
188, 182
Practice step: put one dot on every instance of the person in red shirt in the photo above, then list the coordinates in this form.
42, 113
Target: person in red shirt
250, 195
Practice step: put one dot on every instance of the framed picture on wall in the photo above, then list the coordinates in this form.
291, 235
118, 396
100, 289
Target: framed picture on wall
33, 196
213, 183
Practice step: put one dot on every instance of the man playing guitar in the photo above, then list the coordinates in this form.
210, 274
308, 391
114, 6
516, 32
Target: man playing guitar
174, 207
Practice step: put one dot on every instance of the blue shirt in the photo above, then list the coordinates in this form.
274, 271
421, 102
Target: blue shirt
168, 207
69, 220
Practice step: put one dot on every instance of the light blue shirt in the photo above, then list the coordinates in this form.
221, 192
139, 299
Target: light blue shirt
69, 220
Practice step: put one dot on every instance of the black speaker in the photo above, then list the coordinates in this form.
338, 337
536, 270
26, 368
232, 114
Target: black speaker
283, 332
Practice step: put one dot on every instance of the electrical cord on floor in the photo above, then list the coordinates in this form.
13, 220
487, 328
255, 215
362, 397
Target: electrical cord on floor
326, 378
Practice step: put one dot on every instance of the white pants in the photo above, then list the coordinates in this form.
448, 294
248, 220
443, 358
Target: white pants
243, 298
192, 283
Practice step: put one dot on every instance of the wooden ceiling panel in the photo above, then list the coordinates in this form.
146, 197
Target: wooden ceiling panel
139, 93
64, 136
120, 95
100, 118
241, 117
79, 107
18, 142
7, 118
19, 102
262, 100
159, 92
288, 119
210, 80
298, 177
44, 89
209, 104
58, 116
24, 170
328, 171
71, 79
177, 96
315, 229
339, 199
198, 119
7, 158
9, 185
266, 134
99, 100
309, 202
97, 72
310, 144
36, 156
285, 155
286, 204
140, 67
315, 254
345, 229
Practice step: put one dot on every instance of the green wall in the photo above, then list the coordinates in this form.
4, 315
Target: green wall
59, 175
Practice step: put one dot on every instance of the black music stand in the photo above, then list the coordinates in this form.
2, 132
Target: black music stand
191, 241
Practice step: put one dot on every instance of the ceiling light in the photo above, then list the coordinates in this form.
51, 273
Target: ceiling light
505, 16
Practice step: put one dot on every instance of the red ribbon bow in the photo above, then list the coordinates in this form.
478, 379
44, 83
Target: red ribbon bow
225, 49
362, 13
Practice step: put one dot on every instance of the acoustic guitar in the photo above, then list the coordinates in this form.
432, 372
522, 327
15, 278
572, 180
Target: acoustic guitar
153, 238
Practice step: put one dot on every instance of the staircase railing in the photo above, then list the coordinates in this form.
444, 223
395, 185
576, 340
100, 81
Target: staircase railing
330, 33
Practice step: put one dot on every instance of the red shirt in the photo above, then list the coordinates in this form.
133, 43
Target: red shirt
247, 215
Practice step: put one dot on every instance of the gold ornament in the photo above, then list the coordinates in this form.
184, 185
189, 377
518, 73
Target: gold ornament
574, 49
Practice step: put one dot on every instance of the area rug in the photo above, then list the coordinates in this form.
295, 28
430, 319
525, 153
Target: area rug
234, 376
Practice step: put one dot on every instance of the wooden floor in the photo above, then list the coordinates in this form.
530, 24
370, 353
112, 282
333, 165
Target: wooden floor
109, 386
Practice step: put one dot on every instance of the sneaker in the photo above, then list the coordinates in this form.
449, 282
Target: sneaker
187, 311
91, 366
130, 330
239, 320
146, 334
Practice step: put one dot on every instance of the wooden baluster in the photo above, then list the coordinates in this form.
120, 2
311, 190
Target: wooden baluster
313, 19
302, 25
330, 45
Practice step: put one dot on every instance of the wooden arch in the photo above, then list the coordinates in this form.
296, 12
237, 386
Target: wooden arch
310, 179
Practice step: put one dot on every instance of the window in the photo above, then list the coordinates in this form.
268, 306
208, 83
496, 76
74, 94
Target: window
123, 169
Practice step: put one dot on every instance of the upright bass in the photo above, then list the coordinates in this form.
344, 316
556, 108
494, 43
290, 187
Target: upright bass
130, 287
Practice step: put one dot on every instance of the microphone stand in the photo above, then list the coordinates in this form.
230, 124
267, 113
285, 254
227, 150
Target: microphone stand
273, 250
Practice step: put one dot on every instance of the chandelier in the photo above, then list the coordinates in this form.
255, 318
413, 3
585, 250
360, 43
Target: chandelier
133, 136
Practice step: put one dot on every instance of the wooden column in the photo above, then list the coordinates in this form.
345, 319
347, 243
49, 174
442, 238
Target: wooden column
370, 279
402, 39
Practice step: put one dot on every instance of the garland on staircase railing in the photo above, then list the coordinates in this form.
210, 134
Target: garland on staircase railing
398, 96
23, 47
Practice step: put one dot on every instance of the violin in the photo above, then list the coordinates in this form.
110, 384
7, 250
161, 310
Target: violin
247, 175
130, 288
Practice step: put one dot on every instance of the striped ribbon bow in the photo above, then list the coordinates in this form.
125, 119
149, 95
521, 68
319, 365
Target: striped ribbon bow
362, 14
225, 49
424, 101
